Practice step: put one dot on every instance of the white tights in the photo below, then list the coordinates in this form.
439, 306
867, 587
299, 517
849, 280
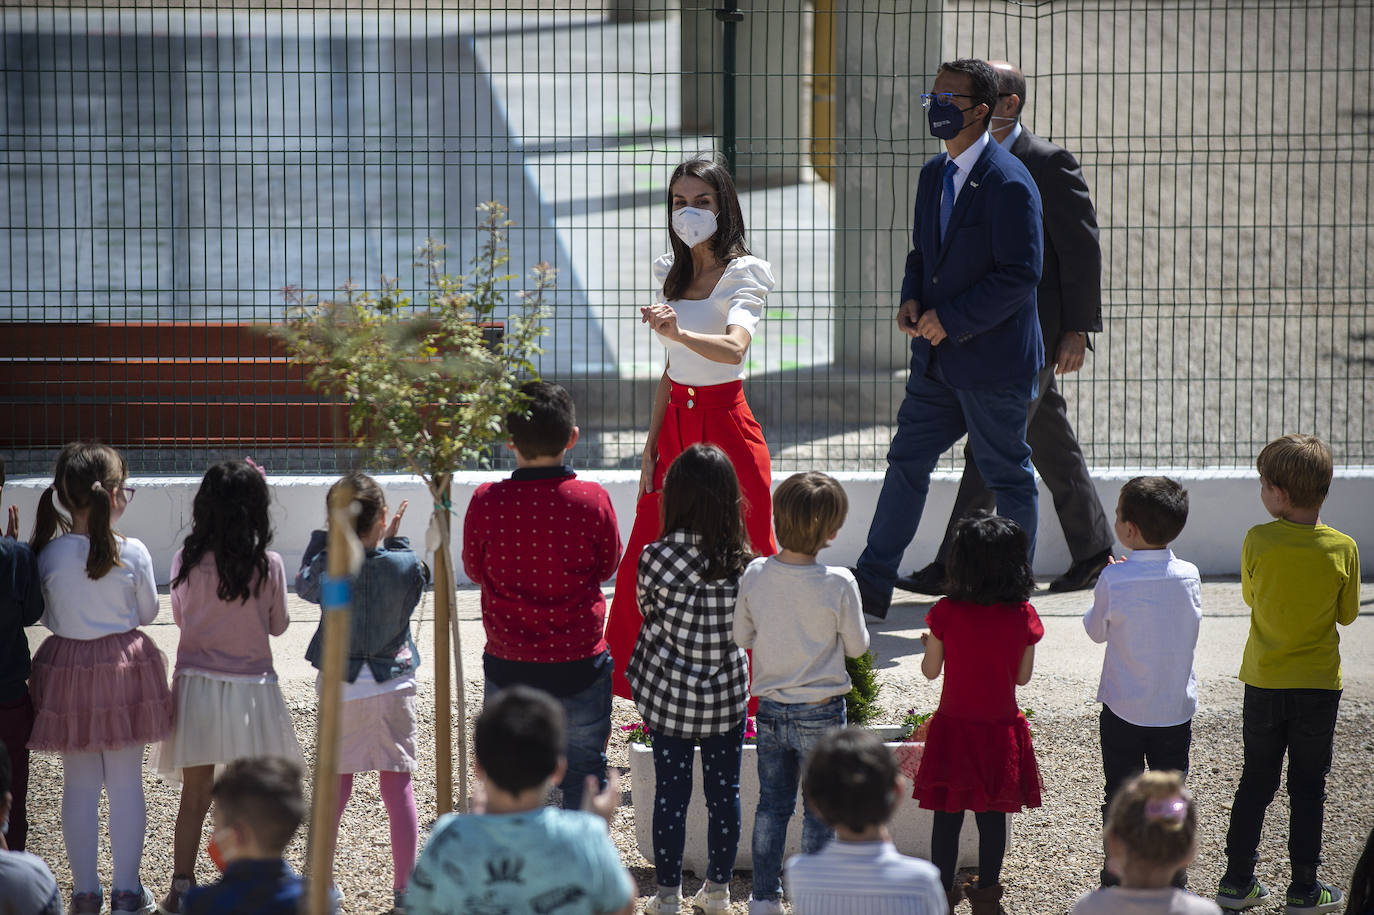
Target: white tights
121, 772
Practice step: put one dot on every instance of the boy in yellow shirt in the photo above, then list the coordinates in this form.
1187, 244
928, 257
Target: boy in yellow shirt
1300, 578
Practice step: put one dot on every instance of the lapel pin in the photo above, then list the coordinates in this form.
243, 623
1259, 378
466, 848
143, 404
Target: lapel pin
974, 183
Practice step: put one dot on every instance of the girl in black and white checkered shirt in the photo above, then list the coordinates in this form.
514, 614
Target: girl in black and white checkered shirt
690, 679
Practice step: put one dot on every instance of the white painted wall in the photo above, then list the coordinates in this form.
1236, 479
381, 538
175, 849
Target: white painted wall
1223, 504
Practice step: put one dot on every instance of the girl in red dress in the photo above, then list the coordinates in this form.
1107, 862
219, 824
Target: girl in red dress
978, 753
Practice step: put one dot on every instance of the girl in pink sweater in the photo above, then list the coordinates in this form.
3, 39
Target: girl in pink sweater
228, 595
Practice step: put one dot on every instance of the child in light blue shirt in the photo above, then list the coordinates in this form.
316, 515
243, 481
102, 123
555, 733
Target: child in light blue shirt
519, 856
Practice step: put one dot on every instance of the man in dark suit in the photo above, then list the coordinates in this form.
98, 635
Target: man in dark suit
968, 303
1070, 304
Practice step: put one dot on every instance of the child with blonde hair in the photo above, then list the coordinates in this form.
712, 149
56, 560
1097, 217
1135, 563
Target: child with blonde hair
1151, 835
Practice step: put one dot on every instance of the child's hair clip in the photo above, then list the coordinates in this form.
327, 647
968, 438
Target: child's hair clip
97, 486
1173, 809
256, 466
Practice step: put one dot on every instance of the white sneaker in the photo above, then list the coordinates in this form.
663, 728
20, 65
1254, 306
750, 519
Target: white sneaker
765, 906
713, 899
667, 901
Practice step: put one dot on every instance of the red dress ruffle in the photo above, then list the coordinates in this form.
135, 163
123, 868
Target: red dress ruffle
99, 694
978, 765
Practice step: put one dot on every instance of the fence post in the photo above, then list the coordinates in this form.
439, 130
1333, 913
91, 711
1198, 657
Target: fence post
731, 17
881, 71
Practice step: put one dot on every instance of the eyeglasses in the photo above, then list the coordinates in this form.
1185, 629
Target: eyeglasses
940, 98
127, 492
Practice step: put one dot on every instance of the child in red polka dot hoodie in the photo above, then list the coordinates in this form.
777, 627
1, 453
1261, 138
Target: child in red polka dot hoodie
540, 544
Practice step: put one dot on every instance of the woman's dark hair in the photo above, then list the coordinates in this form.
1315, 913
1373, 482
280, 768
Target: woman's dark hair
368, 495
701, 494
87, 475
229, 518
727, 243
1362, 881
988, 563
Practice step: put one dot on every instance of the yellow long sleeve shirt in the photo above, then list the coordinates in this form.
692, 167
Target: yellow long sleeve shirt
1300, 580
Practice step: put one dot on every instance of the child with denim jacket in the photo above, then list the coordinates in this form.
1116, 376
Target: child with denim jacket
378, 717
801, 618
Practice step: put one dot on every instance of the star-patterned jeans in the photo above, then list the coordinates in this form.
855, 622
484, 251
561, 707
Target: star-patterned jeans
720, 761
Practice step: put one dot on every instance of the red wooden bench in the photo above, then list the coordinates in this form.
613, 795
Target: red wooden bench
165, 384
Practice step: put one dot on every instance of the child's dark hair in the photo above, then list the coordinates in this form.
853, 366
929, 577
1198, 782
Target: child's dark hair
519, 738
1362, 881
1154, 816
263, 796
86, 478
988, 562
368, 495
1300, 465
808, 508
229, 519
701, 494
850, 779
542, 426
1157, 506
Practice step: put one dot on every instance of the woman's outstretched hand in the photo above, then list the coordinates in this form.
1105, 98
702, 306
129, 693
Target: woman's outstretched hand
661, 318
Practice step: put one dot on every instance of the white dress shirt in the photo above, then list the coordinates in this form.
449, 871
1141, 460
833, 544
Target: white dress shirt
1148, 610
737, 299
966, 160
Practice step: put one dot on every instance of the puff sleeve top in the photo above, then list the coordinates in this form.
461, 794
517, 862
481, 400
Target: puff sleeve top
737, 299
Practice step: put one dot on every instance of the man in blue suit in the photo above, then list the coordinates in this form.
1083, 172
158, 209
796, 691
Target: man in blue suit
968, 304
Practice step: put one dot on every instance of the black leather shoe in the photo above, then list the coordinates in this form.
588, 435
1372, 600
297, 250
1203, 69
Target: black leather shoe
1082, 574
930, 580
874, 604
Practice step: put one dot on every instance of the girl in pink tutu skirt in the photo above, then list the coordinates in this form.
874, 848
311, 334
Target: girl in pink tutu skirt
228, 596
978, 753
99, 683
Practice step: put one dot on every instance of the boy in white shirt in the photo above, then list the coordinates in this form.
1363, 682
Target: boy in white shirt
851, 779
802, 619
1148, 609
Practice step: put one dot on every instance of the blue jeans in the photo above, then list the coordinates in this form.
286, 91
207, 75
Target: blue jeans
787, 732
720, 760
932, 417
1302, 724
589, 728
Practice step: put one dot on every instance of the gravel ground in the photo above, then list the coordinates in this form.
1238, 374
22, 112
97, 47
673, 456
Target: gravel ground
1054, 858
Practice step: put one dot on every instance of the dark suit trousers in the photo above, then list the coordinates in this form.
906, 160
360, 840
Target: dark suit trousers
1059, 460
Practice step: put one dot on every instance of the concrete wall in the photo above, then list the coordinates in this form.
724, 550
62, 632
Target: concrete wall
1224, 503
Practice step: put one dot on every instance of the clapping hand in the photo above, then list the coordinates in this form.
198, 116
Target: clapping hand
12, 524
394, 528
604, 802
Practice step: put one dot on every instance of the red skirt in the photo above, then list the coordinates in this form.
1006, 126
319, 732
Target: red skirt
978, 765
720, 415
99, 694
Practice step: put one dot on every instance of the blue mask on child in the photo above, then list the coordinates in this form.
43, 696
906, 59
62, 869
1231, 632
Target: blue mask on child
946, 120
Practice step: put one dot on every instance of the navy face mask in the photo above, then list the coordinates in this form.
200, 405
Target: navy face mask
946, 120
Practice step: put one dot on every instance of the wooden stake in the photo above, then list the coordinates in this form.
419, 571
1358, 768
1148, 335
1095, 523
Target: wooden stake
443, 612
445, 561
336, 606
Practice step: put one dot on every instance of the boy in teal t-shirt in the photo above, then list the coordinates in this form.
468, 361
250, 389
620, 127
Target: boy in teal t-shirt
1301, 578
519, 856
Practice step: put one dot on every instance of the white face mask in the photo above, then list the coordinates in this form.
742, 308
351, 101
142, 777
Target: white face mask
693, 225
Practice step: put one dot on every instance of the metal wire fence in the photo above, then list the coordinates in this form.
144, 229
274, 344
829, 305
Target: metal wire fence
168, 170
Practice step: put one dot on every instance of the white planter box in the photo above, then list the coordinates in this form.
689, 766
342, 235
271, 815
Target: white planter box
910, 826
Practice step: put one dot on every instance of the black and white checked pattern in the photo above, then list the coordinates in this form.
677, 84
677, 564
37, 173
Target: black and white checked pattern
689, 677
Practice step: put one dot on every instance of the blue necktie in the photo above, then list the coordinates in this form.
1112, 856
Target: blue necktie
947, 198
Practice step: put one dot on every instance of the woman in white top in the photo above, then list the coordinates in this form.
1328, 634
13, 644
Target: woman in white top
713, 292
